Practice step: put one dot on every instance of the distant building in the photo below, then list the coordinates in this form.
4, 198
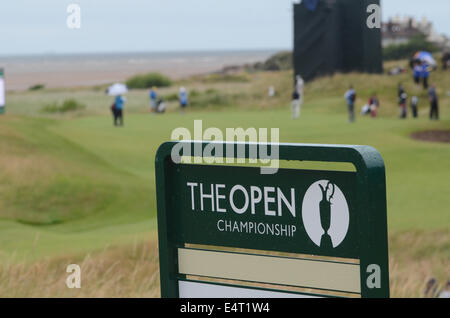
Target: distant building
400, 30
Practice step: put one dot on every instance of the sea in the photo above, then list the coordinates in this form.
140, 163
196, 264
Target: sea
74, 70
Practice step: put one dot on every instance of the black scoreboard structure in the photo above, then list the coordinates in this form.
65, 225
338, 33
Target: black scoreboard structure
333, 36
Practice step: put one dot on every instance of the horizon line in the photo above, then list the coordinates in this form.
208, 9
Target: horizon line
175, 51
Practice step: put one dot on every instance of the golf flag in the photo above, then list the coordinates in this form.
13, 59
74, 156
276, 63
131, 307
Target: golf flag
2, 92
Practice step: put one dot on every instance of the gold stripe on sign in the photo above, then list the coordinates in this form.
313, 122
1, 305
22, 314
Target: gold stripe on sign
271, 253
271, 270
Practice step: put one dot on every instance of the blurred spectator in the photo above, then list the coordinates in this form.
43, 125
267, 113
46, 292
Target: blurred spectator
414, 106
417, 72
374, 104
295, 104
300, 85
425, 74
183, 97
402, 100
297, 97
350, 97
446, 60
153, 99
434, 102
118, 113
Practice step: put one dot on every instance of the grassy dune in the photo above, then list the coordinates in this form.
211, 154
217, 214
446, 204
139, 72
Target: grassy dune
75, 189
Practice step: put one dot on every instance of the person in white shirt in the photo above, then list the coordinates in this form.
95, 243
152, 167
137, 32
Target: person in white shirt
297, 97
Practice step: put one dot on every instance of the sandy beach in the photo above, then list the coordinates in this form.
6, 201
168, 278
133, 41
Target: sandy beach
55, 71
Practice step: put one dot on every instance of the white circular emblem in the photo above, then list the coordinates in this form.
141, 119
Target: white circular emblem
325, 214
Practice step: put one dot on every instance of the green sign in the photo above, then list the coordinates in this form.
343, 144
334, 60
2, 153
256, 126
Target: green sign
229, 231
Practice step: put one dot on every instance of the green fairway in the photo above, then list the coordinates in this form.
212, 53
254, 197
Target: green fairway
72, 185
102, 175
410, 165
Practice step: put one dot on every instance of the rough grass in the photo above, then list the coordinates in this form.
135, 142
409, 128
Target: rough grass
223, 78
130, 271
133, 270
415, 258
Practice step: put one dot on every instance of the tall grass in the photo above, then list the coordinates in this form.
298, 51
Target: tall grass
133, 270
415, 258
130, 271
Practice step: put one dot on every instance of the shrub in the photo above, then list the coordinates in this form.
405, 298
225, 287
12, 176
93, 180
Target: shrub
69, 105
279, 62
148, 80
51, 108
36, 87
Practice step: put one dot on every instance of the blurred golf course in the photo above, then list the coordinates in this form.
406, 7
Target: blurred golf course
76, 189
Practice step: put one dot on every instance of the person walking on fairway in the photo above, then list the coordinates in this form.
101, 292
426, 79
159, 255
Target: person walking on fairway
417, 73
114, 111
434, 107
374, 104
299, 86
350, 97
295, 104
297, 97
402, 99
415, 106
425, 74
118, 113
183, 98
153, 99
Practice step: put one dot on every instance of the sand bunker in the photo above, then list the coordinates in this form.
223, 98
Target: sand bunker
432, 135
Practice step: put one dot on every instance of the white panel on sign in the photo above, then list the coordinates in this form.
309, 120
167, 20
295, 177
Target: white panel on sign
203, 290
338, 276
2, 92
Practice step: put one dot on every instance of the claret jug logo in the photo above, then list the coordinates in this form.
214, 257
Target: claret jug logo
325, 214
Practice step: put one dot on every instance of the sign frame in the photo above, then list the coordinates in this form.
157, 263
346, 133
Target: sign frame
370, 203
3, 88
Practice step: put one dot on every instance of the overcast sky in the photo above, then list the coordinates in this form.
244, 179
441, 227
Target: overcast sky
30, 26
